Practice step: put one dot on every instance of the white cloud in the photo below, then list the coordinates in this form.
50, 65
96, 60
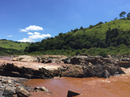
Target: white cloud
30, 33
26, 40
33, 36
31, 28
37, 35
9, 35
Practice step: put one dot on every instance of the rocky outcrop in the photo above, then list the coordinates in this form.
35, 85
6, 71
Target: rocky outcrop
84, 60
12, 70
41, 59
82, 66
51, 58
91, 70
25, 58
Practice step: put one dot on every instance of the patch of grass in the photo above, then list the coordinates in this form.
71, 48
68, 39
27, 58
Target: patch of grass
8, 44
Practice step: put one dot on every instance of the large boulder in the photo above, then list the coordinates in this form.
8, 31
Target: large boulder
74, 71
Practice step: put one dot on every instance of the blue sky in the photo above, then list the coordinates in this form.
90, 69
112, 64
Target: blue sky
33, 20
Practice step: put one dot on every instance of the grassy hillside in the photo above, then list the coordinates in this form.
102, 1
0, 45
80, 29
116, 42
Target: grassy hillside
102, 28
111, 37
8, 44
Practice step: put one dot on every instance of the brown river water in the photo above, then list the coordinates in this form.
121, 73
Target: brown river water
115, 86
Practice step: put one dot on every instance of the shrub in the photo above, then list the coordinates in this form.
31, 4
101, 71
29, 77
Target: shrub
103, 53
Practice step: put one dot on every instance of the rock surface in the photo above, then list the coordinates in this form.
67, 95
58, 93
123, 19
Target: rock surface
51, 58
12, 70
84, 60
25, 58
91, 70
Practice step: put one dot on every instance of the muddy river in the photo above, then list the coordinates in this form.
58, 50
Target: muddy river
116, 86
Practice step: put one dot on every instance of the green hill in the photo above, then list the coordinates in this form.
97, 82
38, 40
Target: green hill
8, 44
110, 37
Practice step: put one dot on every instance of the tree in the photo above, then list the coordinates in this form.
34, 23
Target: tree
81, 27
128, 15
122, 14
115, 18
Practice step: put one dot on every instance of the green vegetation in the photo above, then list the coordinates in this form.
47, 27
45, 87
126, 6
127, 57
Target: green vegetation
4, 51
8, 44
8, 47
100, 39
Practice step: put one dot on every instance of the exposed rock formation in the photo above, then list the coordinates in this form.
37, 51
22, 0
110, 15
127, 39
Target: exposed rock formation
12, 70
84, 60
82, 66
25, 58
41, 59
91, 70
51, 58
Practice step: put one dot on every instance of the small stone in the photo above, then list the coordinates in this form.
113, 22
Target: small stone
44, 89
9, 81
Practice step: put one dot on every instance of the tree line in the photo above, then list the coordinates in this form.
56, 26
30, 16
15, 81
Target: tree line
113, 37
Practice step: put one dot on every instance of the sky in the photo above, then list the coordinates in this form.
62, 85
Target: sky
34, 20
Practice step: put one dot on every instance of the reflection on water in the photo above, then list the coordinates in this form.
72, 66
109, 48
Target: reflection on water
116, 86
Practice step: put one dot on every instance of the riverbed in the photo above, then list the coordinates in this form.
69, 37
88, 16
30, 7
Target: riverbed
115, 86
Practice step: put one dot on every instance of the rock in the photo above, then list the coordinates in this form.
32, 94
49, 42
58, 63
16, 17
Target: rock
9, 91
44, 89
41, 89
84, 60
21, 92
106, 74
72, 94
109, 56
67, 60
1, 94
12, 70
9, 81
25, 58
38, 59
74, 71
53, 58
